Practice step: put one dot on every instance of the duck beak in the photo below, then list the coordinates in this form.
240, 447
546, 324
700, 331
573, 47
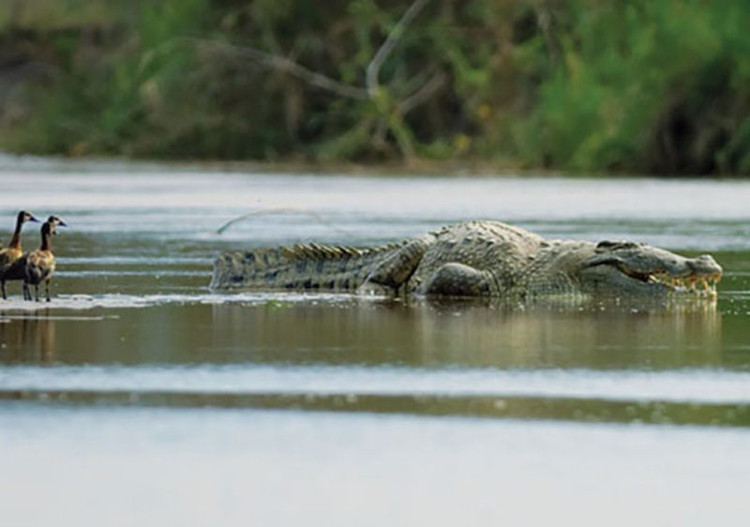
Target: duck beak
33, 219
62, 224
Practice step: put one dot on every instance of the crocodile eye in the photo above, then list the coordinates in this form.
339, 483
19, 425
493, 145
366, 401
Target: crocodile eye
608, 245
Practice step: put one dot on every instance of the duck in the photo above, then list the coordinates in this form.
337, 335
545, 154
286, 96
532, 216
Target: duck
13, 252
38, 266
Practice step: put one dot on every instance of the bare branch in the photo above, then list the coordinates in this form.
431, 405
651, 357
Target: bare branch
373, 69
378, 138
289, 66
544, 20
416, 81
402, 136
391, 115
422, 94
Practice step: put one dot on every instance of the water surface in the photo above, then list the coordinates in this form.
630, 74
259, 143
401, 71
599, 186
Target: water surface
321, 408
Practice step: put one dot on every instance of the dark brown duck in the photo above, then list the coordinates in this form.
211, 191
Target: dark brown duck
14, 252
38, 266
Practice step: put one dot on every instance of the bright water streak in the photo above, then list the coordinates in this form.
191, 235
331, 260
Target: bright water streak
692, 386
135, 467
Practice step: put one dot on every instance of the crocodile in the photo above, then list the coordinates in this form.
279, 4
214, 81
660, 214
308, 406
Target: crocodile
472, 259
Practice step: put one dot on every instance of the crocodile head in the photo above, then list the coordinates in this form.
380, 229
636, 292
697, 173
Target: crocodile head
623, 268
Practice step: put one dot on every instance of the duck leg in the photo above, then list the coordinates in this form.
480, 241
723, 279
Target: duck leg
46, 289
5, 296
26, 292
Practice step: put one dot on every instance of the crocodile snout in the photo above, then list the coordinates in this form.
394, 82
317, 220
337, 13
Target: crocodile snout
704, 265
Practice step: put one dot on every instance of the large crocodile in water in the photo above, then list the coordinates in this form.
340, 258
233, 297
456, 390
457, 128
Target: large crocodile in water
473, 258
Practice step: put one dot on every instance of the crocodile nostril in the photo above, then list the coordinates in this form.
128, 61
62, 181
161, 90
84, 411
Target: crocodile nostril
704, 263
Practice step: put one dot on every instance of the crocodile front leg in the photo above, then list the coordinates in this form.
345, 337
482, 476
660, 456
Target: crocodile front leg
455, 279
394, 271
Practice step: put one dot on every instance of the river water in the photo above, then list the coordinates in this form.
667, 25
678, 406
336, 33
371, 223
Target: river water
139, 397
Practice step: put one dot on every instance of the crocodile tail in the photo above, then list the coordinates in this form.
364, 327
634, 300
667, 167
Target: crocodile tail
301, 267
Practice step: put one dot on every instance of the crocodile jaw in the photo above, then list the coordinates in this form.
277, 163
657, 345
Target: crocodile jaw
659, 272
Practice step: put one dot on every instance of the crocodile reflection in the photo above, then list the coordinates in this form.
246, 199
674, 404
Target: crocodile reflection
431, 334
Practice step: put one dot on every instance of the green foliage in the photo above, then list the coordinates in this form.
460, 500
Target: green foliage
643, 85
582, 85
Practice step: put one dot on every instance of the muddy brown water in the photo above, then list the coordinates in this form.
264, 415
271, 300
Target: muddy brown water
282, 409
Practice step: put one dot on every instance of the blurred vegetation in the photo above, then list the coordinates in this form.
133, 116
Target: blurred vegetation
581, 85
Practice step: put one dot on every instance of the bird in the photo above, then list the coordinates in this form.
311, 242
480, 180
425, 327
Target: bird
13, 252
38, 266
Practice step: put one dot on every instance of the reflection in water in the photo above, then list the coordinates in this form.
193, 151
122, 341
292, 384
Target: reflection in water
28, 338
592, 338
435, 335
441, 358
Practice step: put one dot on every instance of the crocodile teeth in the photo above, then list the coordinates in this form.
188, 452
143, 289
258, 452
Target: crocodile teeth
702, 285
